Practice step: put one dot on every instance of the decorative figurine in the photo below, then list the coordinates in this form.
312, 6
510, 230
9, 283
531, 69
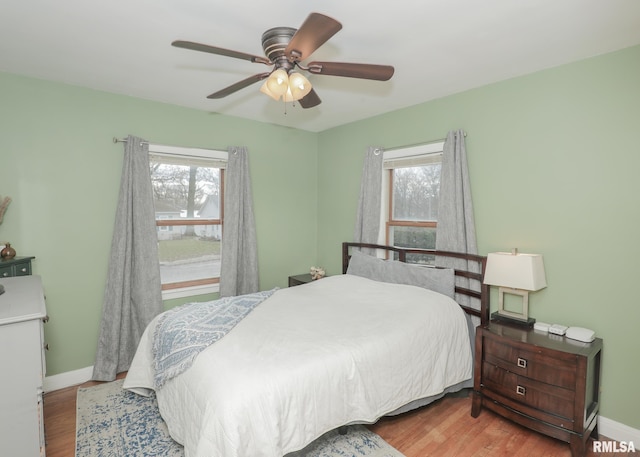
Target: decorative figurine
317, 273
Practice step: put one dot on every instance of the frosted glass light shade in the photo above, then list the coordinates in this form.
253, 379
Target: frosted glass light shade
299, 86
278, 82
265, 90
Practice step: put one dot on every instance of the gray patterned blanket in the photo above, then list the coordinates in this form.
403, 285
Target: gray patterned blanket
183, 332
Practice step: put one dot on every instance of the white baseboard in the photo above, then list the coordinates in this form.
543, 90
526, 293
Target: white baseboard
68, 379
618, 431
606, 427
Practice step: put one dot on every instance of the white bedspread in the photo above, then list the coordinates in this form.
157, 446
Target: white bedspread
307, 360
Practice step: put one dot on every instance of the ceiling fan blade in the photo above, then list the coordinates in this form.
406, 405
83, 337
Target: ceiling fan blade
312, 34
310, 100
220, 51
239, 85
352, 70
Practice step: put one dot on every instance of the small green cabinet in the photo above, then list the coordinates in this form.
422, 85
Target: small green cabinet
17, 266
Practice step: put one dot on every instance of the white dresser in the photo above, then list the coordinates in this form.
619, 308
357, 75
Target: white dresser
22, 367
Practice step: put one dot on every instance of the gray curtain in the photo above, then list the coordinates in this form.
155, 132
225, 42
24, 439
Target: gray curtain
133, 295
456, 226
368, 212
239, 257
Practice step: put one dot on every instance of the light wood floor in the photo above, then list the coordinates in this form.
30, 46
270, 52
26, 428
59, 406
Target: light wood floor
443, 429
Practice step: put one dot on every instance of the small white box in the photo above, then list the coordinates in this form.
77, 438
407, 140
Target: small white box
541, 326
558, 329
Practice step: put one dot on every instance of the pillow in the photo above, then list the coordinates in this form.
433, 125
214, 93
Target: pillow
366, 266
441, 280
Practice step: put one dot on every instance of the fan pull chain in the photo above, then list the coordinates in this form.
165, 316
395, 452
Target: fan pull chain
293, 104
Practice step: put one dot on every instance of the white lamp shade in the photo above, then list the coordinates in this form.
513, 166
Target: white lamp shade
517, 271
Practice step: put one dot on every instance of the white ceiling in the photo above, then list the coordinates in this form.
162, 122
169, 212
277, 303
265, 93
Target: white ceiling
438, 47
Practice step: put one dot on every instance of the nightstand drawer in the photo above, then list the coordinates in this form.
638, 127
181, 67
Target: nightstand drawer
544, 368
550, 399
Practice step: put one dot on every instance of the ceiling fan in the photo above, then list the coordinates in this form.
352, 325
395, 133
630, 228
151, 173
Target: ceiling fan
285, 48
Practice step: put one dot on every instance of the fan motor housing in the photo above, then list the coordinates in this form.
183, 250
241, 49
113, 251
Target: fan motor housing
275, 42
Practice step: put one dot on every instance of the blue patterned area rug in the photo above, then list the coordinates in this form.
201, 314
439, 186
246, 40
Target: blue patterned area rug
112, 422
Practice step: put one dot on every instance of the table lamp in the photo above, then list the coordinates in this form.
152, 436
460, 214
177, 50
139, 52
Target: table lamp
516, 274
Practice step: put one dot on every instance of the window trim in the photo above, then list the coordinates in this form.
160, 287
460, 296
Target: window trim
410, 156
170, 294
219, 159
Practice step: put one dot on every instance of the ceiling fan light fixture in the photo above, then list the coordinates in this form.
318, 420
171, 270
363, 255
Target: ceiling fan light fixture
265, 90
299, 86
278, 82
291, 87
285, 48
288, 96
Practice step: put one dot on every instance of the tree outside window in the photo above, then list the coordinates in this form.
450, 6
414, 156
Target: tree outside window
188, 199
413, 208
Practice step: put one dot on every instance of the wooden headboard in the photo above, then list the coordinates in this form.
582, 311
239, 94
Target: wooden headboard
401, 253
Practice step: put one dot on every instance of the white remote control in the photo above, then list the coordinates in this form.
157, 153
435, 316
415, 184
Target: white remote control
558, 329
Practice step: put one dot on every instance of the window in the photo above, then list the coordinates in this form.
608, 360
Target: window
411, 189
188, 195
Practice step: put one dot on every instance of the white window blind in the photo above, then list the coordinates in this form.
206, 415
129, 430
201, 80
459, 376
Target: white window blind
188, 156
413, 156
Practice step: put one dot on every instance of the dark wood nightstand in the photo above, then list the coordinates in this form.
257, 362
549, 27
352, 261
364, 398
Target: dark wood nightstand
546, 382
299, 279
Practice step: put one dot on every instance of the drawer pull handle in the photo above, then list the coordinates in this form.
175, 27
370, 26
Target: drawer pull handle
24, 270
522, 363
521, 390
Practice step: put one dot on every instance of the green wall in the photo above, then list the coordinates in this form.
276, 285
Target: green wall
553, 158
62, 170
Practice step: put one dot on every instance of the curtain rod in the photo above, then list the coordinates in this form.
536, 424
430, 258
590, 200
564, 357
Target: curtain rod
124, 140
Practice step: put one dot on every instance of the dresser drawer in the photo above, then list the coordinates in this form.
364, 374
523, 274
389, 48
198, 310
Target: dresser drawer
544, 397
6, 272
22, 269
545, 368
18, 266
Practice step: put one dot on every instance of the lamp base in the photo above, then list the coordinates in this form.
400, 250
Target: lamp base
497, 317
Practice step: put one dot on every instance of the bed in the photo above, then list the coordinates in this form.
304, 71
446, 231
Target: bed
305, 360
